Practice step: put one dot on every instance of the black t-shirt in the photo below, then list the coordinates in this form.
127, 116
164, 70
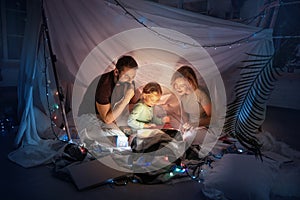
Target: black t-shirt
105, 89
108, 92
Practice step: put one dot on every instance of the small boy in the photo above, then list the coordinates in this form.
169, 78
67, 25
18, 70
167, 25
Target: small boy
142, 114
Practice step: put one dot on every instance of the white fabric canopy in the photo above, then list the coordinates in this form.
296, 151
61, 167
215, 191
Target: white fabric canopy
88, 37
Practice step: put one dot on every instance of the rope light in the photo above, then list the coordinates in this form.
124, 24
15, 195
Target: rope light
52, 109
141, 20
184, 44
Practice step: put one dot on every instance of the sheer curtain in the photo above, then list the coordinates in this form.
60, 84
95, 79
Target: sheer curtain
34, 77
27, 132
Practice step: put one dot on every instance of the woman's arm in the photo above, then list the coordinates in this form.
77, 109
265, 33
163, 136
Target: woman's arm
205, 103
205, 121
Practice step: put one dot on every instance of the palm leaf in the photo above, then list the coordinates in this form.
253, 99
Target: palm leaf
246, 113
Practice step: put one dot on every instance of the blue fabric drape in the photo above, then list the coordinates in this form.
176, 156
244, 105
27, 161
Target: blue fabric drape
27, 132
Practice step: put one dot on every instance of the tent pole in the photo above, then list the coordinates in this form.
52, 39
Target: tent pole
58, 87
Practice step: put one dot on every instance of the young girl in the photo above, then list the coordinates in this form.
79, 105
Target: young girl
142, 114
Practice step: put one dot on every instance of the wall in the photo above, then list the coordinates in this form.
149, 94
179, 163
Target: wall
9, 74
287, 91
13, 16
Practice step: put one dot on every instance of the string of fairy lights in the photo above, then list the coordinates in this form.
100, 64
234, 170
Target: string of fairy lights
52, 109
141, 20
7, 125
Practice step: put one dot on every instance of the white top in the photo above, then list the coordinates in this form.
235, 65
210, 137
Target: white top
192, 105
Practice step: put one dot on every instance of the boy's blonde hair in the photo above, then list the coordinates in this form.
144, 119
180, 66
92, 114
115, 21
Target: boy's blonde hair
152, 87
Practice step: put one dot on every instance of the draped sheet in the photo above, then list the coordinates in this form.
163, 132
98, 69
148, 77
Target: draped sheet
87, 38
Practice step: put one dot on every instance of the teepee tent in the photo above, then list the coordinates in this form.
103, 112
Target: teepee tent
88, 37
68, 45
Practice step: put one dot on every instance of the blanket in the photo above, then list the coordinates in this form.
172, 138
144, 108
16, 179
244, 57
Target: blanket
235, 174
243, 176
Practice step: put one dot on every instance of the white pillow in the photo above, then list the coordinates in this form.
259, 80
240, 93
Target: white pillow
240, 176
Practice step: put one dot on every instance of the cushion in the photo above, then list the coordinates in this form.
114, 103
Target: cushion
240, 176
287, 182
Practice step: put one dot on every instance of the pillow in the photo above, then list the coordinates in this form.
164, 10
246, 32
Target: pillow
287, 182
240, 176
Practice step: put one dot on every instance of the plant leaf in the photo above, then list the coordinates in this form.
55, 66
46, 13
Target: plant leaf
246, 113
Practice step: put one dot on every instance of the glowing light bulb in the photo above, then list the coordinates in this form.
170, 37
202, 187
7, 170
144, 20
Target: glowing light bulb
177, 169
55, 106
166, 158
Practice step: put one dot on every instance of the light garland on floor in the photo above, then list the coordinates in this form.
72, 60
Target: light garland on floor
7, 125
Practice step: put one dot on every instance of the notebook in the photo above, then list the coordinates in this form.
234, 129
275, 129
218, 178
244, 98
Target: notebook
92, 174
